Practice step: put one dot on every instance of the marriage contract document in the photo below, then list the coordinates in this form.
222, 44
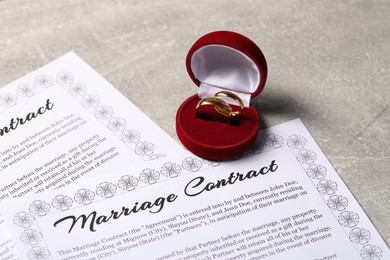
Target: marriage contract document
284, 200
63, 122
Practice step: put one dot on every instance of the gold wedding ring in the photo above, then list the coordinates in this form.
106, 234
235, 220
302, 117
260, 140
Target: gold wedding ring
220, 105
234, 97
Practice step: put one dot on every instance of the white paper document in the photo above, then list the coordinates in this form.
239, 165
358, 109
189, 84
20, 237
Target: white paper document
63, 122
283, 201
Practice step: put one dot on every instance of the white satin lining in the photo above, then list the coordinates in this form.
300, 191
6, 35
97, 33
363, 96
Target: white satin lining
225, 68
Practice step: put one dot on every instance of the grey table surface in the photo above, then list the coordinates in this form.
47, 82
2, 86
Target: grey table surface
328, 64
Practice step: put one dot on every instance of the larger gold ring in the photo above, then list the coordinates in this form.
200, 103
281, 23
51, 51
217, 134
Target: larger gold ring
232, 96
219, 105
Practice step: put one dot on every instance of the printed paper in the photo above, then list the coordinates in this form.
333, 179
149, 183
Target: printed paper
63, 122
284, 201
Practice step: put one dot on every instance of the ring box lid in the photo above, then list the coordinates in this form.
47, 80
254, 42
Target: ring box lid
225, 60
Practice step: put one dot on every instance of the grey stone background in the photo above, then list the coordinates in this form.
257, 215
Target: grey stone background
328, 65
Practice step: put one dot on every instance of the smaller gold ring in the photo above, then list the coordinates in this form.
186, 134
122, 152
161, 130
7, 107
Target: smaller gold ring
219, 105
234, 97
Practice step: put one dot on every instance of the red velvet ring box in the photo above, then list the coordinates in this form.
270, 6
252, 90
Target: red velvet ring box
219, 61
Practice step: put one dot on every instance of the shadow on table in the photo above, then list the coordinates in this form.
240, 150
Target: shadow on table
278, 104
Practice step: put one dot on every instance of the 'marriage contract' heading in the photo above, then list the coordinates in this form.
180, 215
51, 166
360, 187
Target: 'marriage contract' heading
194, 188
15, 122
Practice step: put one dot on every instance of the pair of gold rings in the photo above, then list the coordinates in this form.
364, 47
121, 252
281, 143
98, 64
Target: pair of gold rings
221, 106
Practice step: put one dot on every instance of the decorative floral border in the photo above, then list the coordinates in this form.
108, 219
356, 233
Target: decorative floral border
92, 102
326, 187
